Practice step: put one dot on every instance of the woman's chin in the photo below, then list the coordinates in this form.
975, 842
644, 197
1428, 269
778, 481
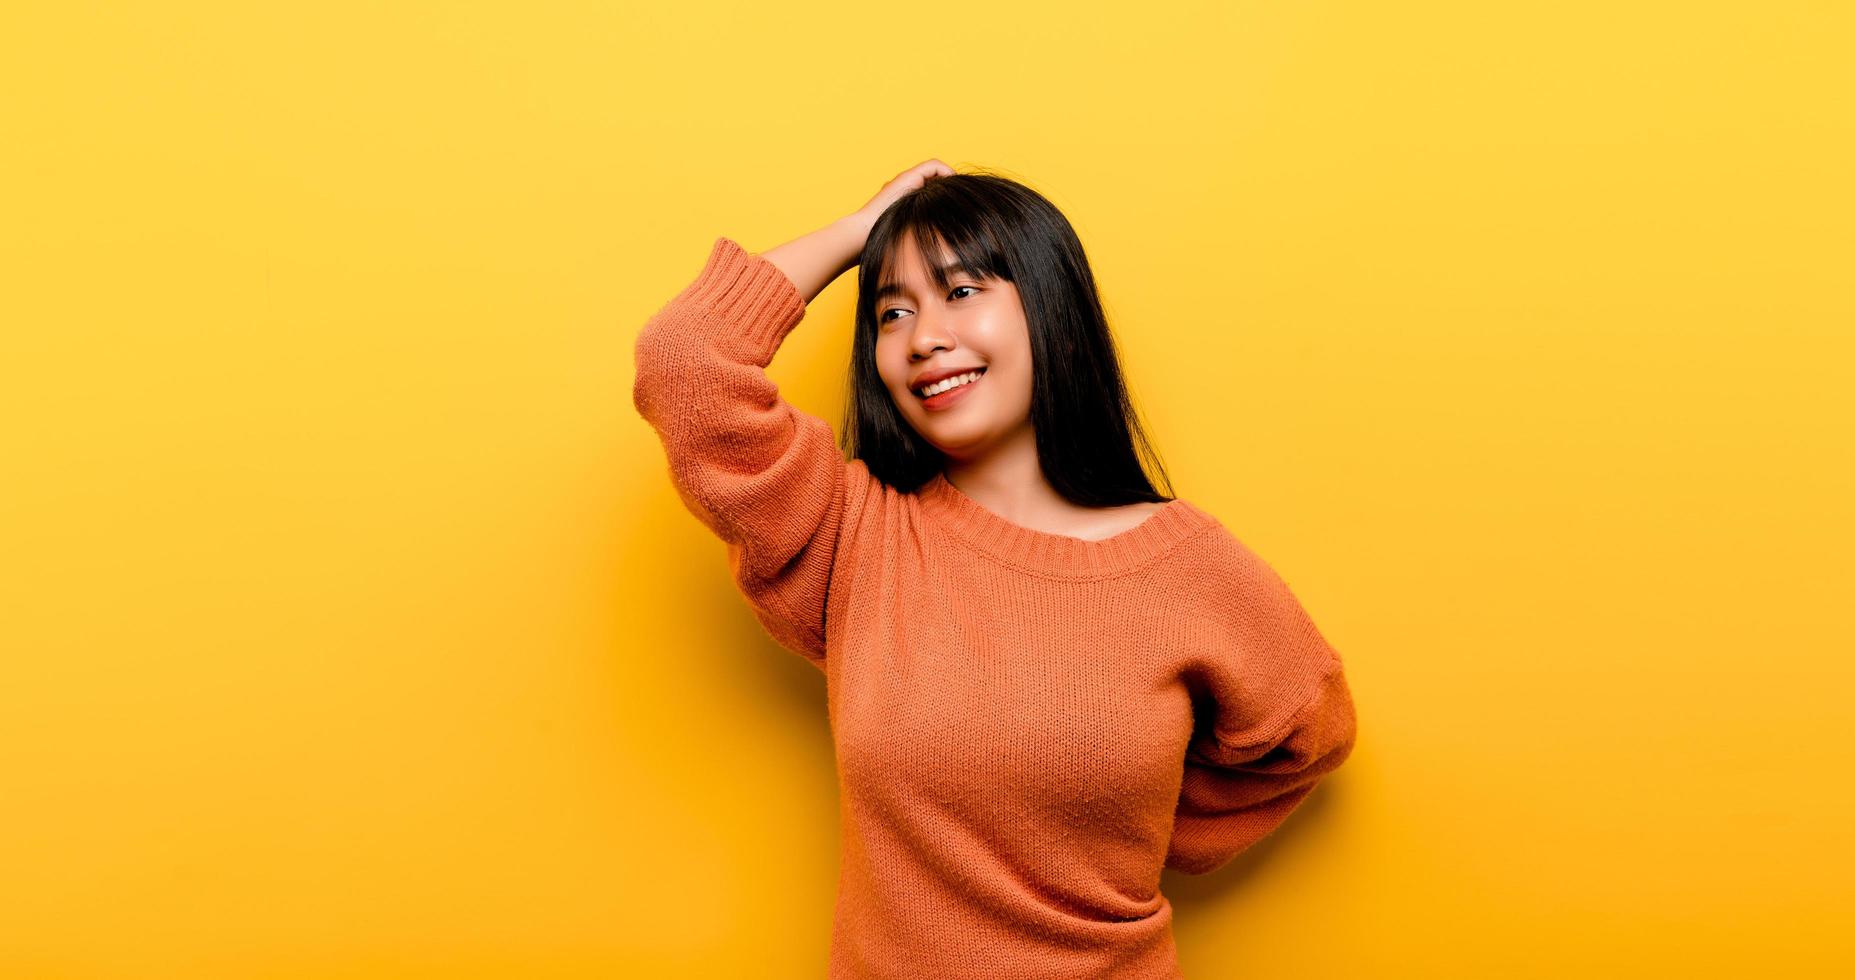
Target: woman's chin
954, 439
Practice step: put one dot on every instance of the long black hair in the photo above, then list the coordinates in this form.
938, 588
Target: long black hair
1089, 439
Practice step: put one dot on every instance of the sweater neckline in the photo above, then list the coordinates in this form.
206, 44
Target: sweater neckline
1055, 554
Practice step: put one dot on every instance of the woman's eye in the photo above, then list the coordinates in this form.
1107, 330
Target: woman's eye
883, 317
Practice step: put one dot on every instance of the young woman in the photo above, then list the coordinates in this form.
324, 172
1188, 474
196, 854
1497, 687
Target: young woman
1046, 680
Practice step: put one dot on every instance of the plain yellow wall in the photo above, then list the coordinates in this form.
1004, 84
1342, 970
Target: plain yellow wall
351, 626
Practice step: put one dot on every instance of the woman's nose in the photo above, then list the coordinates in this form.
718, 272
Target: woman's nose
929, 335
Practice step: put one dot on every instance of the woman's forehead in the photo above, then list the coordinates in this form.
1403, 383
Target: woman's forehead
905, 261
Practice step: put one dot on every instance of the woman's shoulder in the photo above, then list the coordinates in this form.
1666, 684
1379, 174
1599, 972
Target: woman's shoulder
1218, 550
1235, 576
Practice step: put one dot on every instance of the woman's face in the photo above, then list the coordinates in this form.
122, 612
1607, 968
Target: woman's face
975, 324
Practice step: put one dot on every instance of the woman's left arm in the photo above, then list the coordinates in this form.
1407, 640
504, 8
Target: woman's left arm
1283, 718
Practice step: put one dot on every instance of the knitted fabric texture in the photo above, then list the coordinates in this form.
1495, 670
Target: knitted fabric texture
1028, 726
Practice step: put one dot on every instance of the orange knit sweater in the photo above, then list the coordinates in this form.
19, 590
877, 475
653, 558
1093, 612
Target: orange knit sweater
1028, 725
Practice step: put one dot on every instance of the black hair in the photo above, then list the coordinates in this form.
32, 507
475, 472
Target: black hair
1089, 439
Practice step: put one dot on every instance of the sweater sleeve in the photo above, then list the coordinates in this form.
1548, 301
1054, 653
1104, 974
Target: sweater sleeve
765, 477
1278, 716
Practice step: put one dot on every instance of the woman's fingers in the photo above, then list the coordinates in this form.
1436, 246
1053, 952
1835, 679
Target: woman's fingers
901, 184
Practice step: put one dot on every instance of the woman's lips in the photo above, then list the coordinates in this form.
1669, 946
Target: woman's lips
951, 396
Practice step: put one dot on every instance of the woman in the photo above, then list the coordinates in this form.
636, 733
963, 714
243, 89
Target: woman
1046, 681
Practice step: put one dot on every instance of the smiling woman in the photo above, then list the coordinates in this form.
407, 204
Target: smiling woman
1059, 716
977, 272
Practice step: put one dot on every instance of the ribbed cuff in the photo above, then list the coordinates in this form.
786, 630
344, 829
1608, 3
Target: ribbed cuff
748, 294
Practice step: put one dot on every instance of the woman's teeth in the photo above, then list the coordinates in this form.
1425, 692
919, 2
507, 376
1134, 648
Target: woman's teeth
953, 382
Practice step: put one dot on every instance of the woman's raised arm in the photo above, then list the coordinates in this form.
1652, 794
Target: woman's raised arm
765, 477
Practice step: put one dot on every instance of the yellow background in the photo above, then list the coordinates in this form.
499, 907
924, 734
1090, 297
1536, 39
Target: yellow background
351, 626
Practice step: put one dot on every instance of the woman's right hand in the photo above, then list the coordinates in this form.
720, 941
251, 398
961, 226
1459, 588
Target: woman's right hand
864, 218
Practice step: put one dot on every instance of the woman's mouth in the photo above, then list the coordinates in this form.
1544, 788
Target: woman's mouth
944, 396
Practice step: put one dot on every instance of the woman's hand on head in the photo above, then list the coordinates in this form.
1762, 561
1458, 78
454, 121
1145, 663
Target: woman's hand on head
864, 218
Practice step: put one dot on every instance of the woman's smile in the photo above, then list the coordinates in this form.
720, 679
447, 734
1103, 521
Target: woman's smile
946, 398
